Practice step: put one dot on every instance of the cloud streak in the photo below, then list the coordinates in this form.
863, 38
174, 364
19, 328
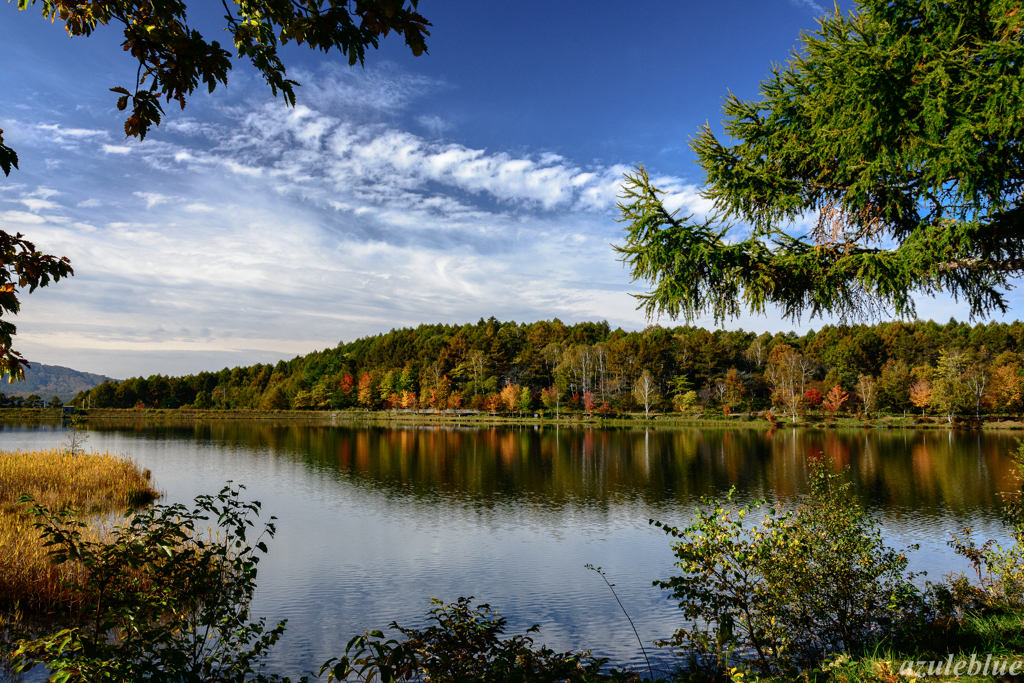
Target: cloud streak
811, 5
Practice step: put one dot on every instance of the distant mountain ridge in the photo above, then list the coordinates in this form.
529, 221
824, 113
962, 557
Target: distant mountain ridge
47, 381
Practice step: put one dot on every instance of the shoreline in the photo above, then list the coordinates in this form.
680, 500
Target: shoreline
393, 418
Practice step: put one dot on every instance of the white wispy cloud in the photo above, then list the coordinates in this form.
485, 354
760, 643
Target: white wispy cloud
318, 155
38, 204
434, 124
811, 5
21, 217
59, 132
152, 198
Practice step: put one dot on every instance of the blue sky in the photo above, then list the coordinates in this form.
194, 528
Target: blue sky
474, 181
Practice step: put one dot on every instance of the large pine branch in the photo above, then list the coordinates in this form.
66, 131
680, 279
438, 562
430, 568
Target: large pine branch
899, 126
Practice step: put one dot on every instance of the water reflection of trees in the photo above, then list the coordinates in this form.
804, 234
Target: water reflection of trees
902, 472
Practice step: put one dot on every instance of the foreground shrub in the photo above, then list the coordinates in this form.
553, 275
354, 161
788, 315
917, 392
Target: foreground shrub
462, 644
999, 570
98, 484
162, 601
792, 591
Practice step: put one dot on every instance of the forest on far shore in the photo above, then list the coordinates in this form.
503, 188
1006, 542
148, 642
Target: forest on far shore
941, 369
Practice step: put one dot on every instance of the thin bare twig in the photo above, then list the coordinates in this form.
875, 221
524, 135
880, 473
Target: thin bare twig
611, 587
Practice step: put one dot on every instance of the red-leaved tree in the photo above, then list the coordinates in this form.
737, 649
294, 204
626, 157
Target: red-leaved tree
813, 398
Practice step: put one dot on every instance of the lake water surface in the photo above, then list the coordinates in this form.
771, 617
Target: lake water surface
374, 521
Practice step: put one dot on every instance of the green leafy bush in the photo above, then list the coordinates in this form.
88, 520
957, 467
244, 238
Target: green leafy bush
999, 569
162, 601
789, 592
462, 644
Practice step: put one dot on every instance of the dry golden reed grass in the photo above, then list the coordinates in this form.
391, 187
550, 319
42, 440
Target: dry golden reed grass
97, 484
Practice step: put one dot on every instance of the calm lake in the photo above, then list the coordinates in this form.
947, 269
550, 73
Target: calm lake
374, 521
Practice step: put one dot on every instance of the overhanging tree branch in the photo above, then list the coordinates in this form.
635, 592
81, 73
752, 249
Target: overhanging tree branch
897, 125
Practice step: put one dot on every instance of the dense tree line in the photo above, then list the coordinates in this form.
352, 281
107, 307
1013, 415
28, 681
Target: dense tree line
507, 366
30, 401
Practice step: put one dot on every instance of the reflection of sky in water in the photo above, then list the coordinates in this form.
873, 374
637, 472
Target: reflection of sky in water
372, 523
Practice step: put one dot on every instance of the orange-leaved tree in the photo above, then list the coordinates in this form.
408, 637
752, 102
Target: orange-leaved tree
921, 394
1007, 387
835, 399
510, 397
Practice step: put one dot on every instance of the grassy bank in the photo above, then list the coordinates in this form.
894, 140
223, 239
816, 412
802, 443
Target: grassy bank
978, 647
326, 417
96, 484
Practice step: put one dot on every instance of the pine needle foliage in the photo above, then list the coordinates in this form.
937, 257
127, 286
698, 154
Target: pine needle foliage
899, 128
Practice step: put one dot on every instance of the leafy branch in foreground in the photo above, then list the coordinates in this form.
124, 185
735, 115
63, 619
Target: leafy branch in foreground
999, 569
786, 594
161, 601
174, 59
896, 130
8, 157
21, 266
464, 643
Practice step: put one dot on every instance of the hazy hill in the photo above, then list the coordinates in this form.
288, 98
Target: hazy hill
52, 380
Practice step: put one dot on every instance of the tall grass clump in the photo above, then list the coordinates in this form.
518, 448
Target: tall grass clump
162, 600
97, 484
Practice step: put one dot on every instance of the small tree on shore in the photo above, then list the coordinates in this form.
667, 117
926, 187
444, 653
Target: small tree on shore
835, 400
921, 394
367, 390
1007, 387
550, 397
977, 379
734, 389
525, 399
787, 374
437, 397
949, 390
454, 400
685, 402
645, 391
510, 397
867, 390
813, 398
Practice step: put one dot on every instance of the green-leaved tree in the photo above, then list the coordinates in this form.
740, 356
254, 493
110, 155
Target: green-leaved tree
897, 129
950, 393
